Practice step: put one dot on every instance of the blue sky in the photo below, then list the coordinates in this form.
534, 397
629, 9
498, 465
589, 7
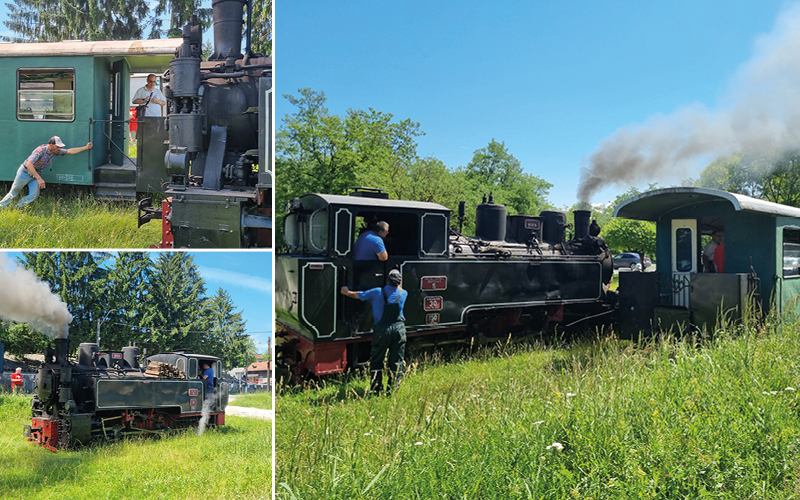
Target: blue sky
550, 79
246, 275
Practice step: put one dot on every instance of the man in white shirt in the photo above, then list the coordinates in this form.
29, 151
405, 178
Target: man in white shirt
150, 97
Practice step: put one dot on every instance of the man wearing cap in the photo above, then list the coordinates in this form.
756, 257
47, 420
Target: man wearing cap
389, 333
29, 172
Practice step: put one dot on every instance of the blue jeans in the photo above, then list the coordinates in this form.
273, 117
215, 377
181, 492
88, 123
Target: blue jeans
22, 179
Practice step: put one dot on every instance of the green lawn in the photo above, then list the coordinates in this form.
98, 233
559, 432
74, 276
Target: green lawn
72, 218
261, 400
602, 418
230, 462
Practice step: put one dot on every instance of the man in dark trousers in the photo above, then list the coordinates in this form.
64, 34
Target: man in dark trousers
389, 333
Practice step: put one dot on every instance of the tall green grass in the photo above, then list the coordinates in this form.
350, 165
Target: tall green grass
231, 462
603, 418
62, 218
261, 400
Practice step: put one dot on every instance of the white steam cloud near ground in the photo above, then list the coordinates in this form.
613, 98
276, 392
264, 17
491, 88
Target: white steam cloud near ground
759, 116
24, 298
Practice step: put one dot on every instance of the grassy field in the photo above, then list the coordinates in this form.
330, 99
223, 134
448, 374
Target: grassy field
230, 462
602, 418
64, 218
261, 400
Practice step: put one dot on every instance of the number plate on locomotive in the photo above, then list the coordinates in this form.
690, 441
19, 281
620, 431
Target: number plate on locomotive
316, 267
116, 355
433, 303
434, 283
432, 319
193, 392
533, 224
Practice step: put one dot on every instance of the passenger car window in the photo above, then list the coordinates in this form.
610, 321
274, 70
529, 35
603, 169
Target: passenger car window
46, 94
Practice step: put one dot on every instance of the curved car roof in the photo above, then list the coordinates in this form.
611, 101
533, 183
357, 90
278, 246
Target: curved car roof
653, 205
359, 201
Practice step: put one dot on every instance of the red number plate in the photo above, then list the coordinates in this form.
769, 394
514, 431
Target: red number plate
434, 283
116, 355
193, 392
534, 224
316, 267
433, 303
432, 319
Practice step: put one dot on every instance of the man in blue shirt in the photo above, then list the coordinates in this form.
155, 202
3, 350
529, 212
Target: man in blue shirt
28, 172
208, 376
370, 246
389, 333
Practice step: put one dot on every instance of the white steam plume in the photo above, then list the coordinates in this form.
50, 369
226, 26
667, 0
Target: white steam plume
206, 413
759, 116
24, 298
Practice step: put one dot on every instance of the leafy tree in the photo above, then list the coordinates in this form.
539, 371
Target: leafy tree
125, 292
494, 170
53, 21
627, 235
773, 178
20, 339
261, 35
178, 12
172, 314
227, 336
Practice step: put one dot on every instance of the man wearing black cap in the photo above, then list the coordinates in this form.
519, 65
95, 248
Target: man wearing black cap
389, 333
29, 172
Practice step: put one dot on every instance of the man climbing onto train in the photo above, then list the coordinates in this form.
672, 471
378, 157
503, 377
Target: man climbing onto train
389, 332
370, 246
29, 172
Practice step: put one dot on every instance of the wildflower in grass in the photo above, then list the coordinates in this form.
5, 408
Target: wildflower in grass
539, 422
368, 433
789, 389
555, 446
418, 443
571, 394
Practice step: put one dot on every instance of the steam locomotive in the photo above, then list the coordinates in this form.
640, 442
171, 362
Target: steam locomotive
108, 394
518, 274
215, 196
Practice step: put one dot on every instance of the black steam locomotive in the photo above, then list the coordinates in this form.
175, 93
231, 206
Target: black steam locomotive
216, 130
519, 274
105, 395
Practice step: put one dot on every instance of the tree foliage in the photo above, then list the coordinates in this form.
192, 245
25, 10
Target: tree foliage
319, 152
773, 178
159, 304
261, 35
53, 21
178, 12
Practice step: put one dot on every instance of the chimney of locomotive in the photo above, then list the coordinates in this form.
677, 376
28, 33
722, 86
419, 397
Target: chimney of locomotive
228, 24
582, 218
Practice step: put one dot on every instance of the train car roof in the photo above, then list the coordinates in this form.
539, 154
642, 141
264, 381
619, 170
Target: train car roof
142, 55
653, 205
359, 201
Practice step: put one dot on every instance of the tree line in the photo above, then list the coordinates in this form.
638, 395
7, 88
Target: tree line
57, 20
160, 304
321, 152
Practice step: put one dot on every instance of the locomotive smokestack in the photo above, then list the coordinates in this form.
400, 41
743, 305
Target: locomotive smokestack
581, 223
228, 24
62, 350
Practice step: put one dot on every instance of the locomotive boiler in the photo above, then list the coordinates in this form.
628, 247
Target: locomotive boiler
219, 186
107, 394
519, 274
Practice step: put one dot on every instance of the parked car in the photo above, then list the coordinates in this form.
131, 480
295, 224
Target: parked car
630, 260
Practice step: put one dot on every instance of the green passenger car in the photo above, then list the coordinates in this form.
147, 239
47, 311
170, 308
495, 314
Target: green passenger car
761, 259
80, 92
